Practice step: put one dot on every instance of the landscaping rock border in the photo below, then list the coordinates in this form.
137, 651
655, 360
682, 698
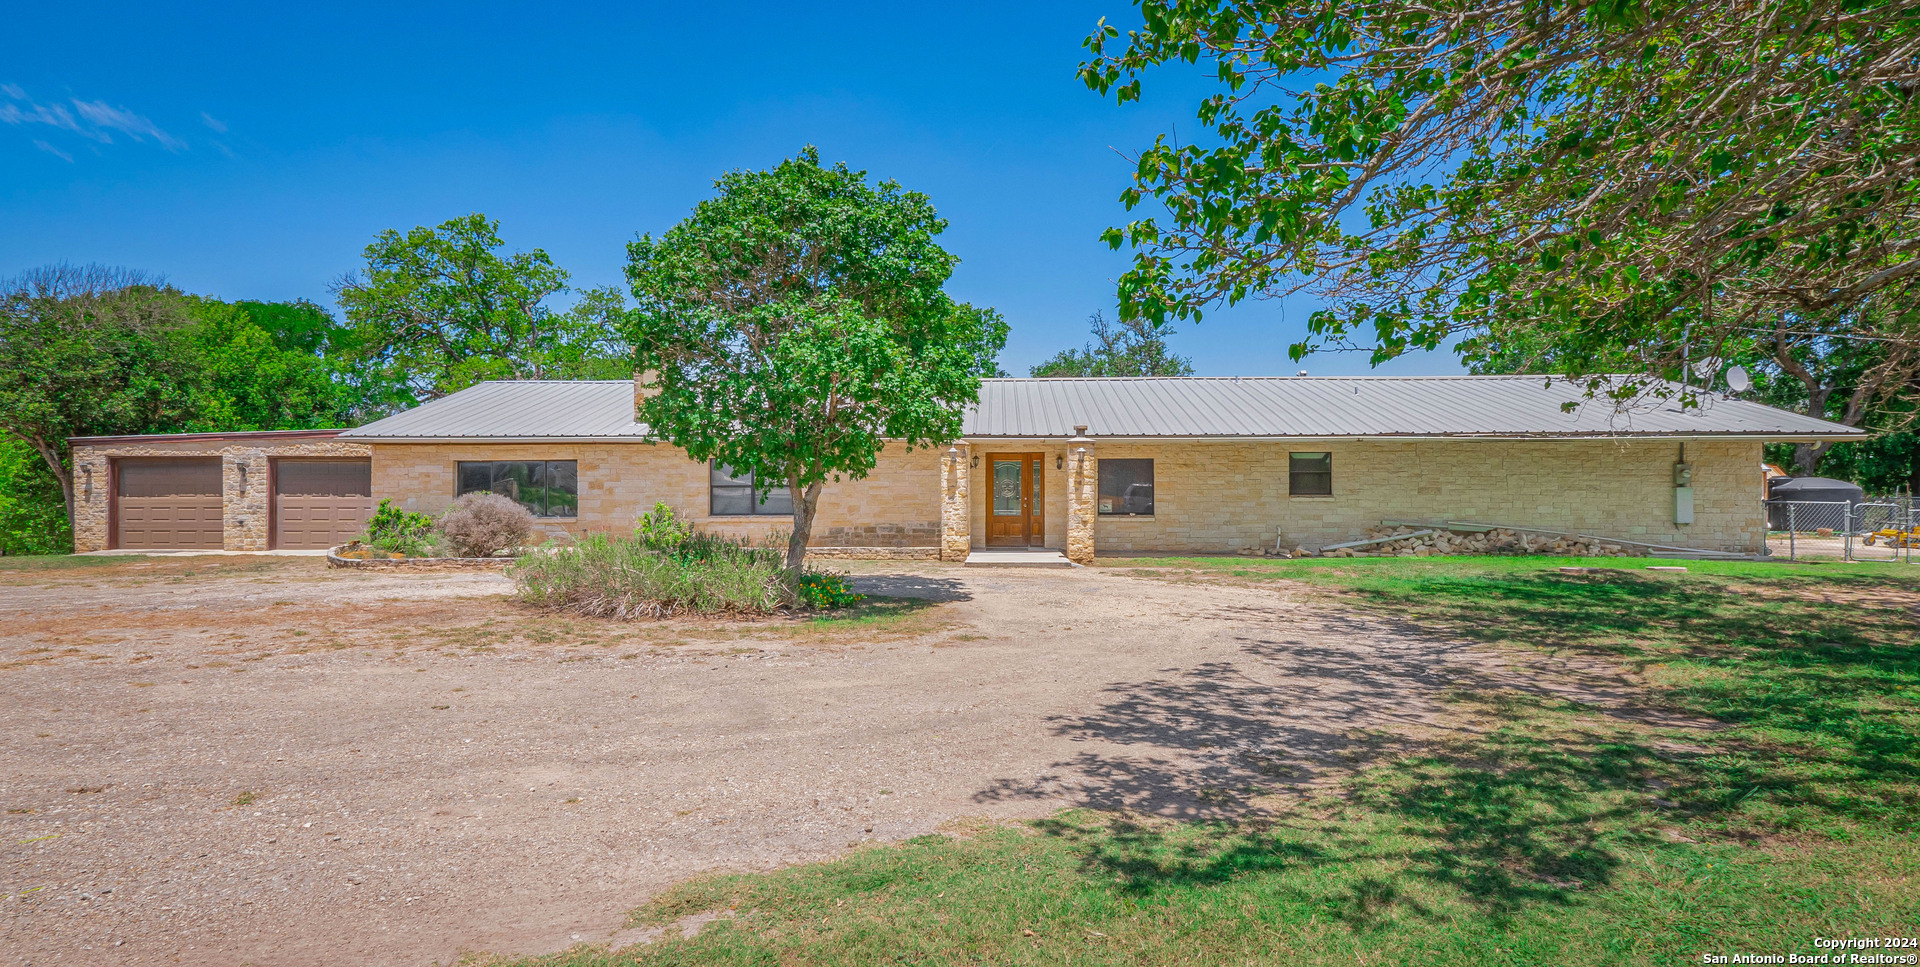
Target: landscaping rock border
875, 553
416, 563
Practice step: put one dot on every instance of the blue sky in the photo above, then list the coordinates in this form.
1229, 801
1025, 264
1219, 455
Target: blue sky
251, 151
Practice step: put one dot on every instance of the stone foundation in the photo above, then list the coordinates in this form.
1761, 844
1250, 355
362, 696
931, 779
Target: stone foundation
874, 553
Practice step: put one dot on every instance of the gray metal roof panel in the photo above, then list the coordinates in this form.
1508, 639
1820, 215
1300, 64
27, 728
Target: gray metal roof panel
1288, 406
1359, 406
533, 409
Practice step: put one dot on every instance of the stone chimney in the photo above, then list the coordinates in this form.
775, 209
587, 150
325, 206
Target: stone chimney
645, 383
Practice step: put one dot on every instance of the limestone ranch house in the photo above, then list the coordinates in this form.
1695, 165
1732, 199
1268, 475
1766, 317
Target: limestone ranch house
1087, 466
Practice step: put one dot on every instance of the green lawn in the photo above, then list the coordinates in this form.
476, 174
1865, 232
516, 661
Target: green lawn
1546, 833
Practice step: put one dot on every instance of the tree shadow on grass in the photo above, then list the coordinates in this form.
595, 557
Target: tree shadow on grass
1309, 753
1766, 654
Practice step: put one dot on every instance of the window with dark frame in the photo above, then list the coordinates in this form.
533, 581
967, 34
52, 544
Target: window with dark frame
546, 488
1310, 474
733, 496
1126, 488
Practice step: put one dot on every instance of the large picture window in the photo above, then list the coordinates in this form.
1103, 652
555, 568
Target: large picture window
546, 488
1310, 474
733, 496
1126, 488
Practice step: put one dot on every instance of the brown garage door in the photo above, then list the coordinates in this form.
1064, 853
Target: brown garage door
167, 503
320, 503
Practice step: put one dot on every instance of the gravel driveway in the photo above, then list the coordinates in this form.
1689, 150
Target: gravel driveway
259, 761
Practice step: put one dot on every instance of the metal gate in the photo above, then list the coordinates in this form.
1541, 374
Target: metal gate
1887, 529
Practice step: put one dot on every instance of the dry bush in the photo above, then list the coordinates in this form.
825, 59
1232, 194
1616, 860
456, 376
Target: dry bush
621, 577
482, 525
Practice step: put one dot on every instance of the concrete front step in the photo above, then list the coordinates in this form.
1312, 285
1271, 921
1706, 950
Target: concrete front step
1016, 557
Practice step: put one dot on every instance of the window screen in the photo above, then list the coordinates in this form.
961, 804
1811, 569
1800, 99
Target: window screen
546, 488
323, 478
1310, 474
169, 477
1126, 487
734, 496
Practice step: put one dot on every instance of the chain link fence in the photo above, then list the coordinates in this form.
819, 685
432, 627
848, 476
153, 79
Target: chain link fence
1879, 529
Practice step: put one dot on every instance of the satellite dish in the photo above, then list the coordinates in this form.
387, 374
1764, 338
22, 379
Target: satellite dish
1706, 368
1738, 380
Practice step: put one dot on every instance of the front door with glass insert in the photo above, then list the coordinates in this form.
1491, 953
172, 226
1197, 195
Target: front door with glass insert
1015, 515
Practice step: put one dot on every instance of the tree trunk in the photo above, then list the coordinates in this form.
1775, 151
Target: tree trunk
805, 501
1806, 456
60, 473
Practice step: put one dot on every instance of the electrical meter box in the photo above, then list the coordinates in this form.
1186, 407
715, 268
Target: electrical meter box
1683, 475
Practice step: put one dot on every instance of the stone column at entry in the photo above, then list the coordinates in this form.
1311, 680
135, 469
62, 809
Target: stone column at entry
956, 525
1083, 496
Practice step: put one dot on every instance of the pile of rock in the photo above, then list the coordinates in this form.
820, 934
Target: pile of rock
1404, 541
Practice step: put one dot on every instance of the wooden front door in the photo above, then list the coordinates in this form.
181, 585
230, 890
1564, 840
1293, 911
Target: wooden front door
1015, 506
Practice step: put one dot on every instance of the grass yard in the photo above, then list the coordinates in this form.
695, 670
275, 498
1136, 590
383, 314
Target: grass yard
1760, 789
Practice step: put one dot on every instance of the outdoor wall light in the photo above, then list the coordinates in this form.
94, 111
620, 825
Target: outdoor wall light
87, 486
1059, 461
976, 461
242, 467
953, 454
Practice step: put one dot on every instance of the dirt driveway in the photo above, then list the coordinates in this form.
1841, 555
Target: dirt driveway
238, 760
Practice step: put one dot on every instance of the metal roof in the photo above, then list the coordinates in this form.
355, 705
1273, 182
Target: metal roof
1359, 406
527, 410
1171, 407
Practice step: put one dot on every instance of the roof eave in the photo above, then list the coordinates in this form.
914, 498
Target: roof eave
1761, 436
500, 439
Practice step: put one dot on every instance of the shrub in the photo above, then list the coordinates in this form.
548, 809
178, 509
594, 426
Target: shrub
399, 531
826, 591
659, 530
621, 577
483, 524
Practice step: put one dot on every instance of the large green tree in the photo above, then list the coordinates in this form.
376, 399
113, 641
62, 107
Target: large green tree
797, 321
89, 350
1131, 347
442, 308
1655, 177
246, 377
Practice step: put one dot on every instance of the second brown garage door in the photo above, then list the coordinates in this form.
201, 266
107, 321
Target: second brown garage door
320, 503
167, 503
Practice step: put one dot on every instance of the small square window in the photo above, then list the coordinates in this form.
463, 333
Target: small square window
1126, 488
732, 495
1310, 474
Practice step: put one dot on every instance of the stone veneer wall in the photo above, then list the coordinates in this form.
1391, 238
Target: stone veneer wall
244, 498
896, 506
1226, 496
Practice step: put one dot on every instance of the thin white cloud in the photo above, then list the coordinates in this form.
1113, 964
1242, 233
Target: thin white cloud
50, 149
94, 120
52, 115
132, 125
219, 126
